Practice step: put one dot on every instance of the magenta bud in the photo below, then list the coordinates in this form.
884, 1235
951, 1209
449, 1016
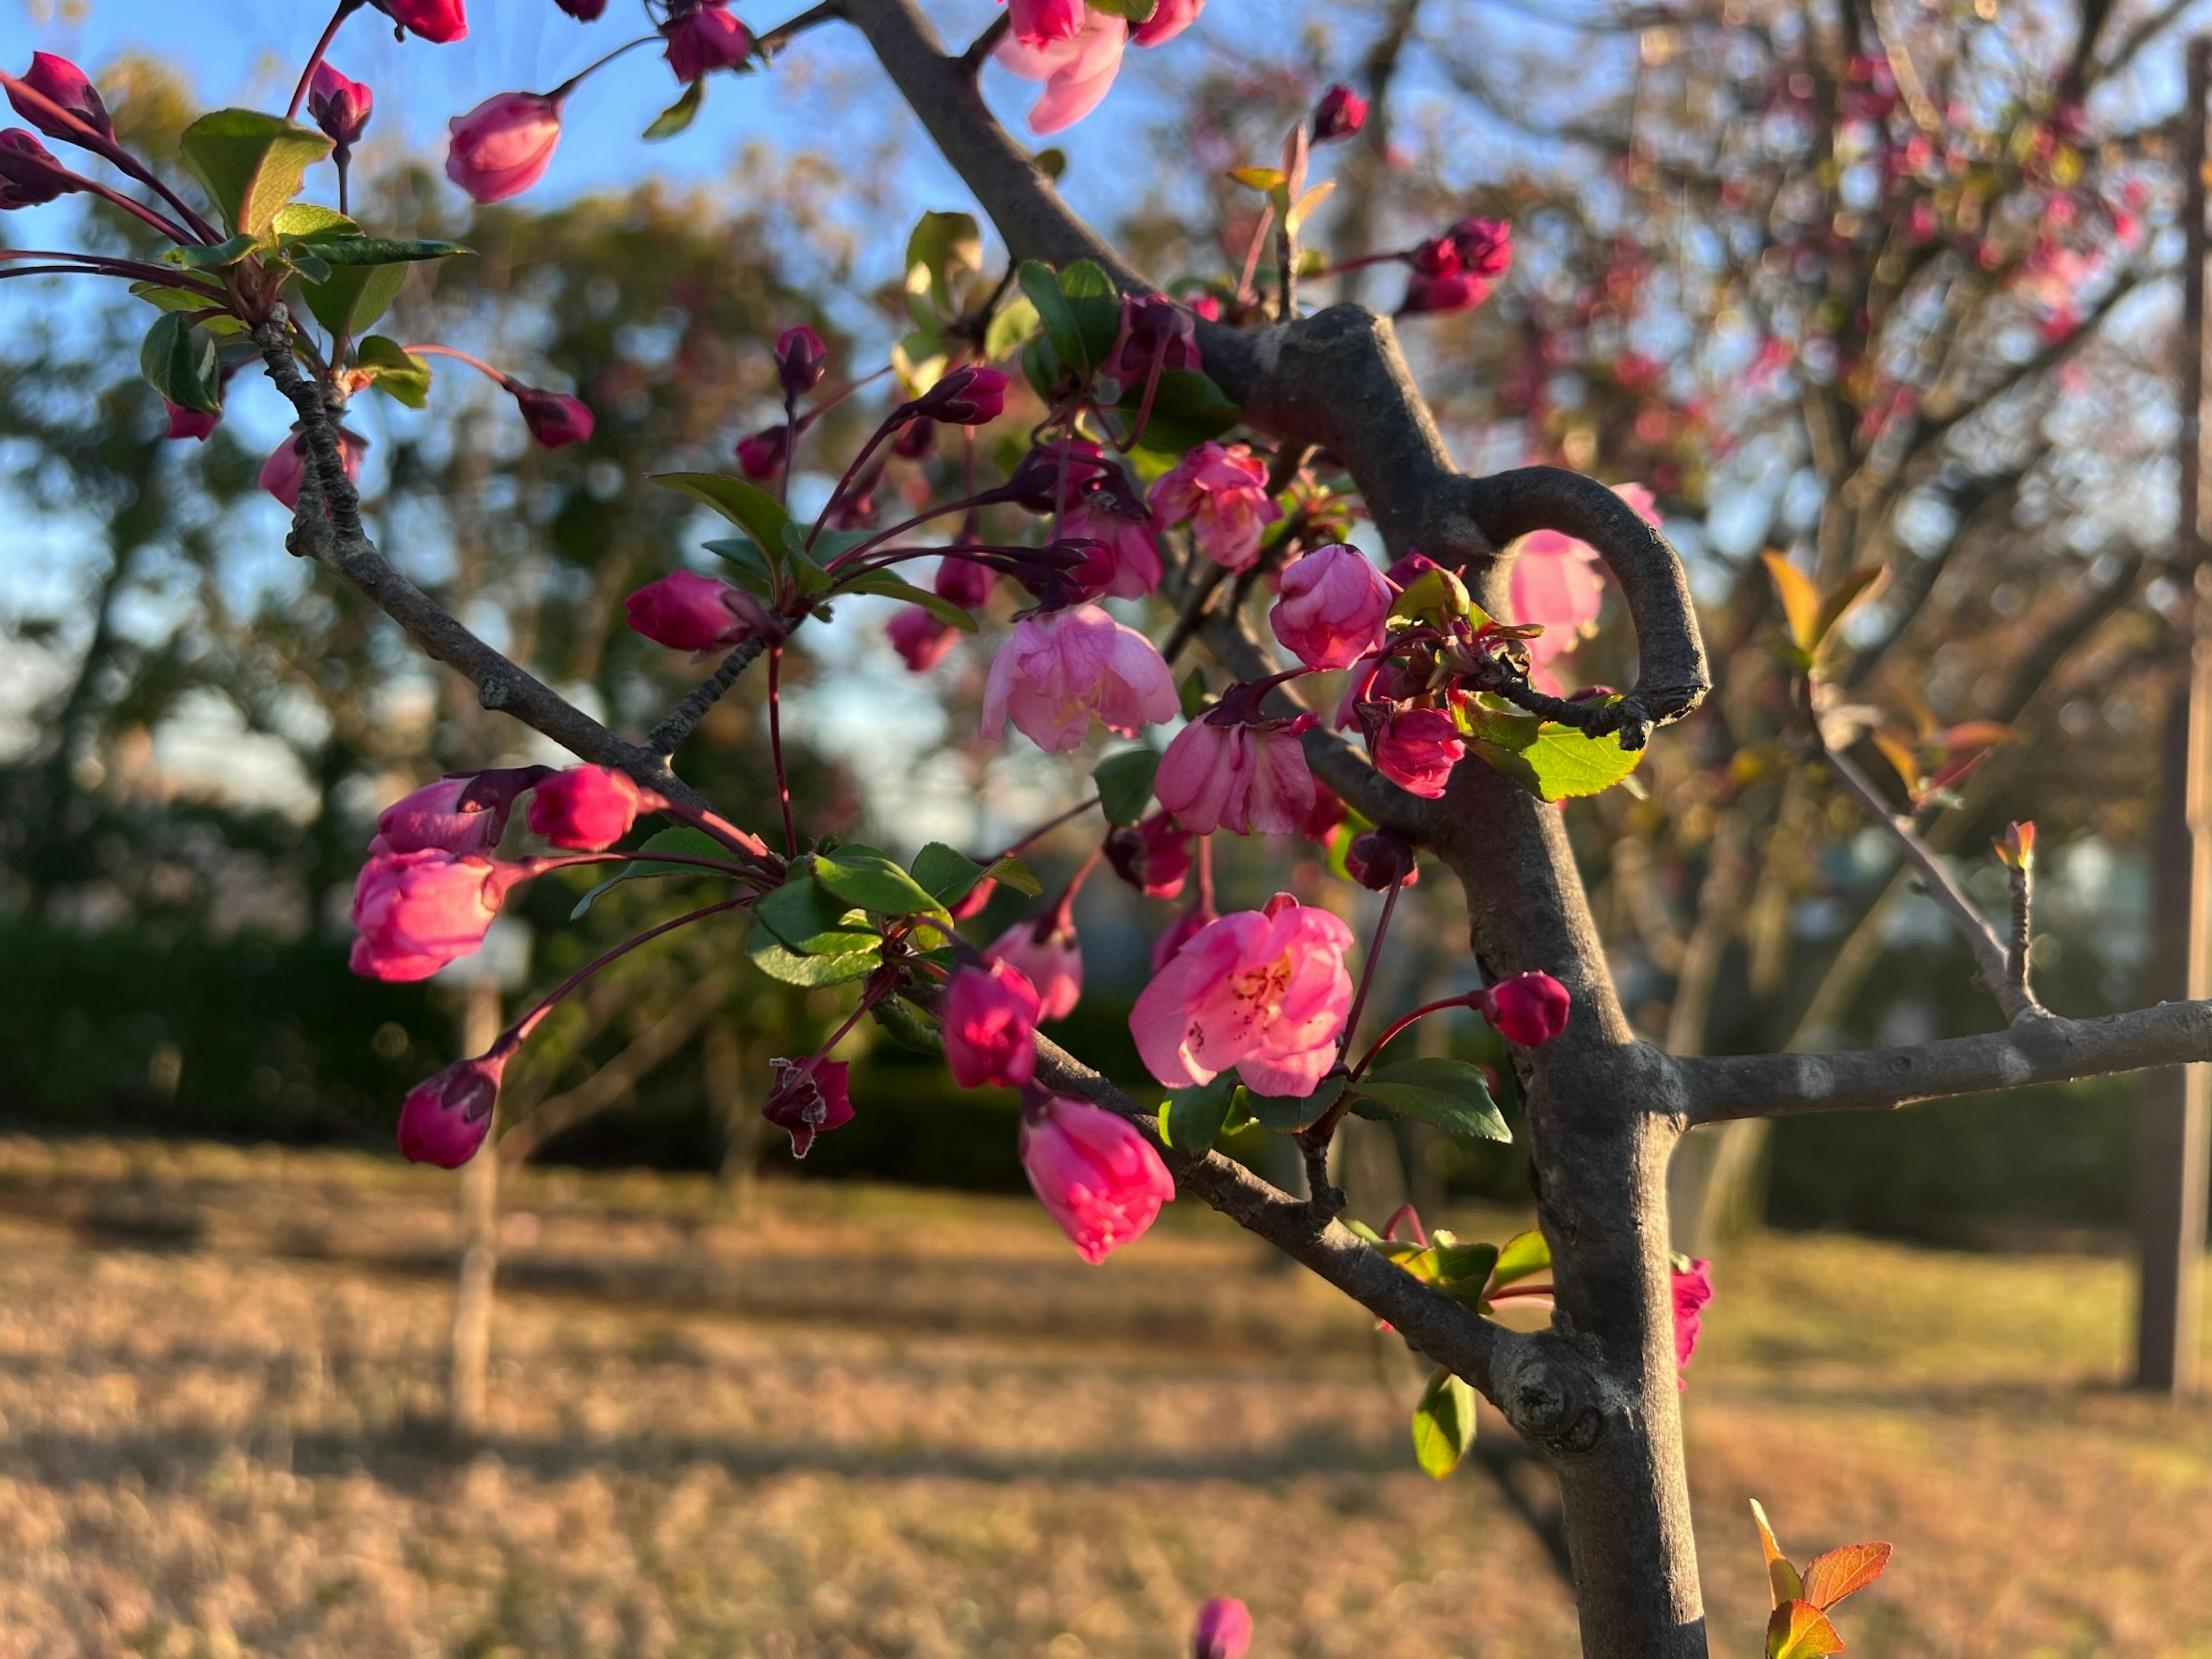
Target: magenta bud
61, 83
703, 37
584, 11
803, 1104
1224, 1630
801, 361
340, 107
554, 418
30, 175
191, 423
967, 396
1380, 859
760, 457
1340, 114
446, 1117
915, 440
1528, 1009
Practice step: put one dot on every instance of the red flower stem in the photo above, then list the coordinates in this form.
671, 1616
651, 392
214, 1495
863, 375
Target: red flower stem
1145, 405
1378, 1045
513, 1036
874, 995
722, 829
21, 93
1362, 263
775, 745
1367, 967
346, 9
540, 866
476, 363
790, 446
93, 265
168, 227
891, 423
1063, 911
852, 553
562, 92
1049, 825
1205, 870
1059, 479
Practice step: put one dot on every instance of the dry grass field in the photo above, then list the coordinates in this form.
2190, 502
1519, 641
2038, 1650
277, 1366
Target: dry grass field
865, 1422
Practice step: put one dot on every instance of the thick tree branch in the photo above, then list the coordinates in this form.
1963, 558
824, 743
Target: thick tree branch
2047, 1050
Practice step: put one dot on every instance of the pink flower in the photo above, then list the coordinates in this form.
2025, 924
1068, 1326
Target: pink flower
1265, 991
1170, 18
686, 611
554, 418
587, 808
1041, 22
286, 470
1222, 491
1094, 1173
964, 581
191, 423
801, 361
1061, 667
921, 639
1044, 951
457, 814
1340, 114
1127, 560
1378, 859
31, 175
1247, 777
1416, 749
1555, 582
967, 396
704, 38
340, 107
1694, 1288
1076, 72
1334, 608
1187, 926
61, 83
990, 1026
1528, 1009
1224, 1630
1153, 330
1153, 856
1455, 290
448, 1116
502, 146
438, 22
418, 911
805, 1102
760, 457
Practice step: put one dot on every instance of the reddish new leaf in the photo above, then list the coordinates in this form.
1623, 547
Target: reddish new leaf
1780, 1575
1798, 1630
1830, 1577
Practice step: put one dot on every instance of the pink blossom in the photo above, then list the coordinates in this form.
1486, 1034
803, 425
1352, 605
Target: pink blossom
1692, 1288
1438, 295
286, 469
448, 1116
1076, 72
447, 815
587, 808
1529, 1009
1041, 22
1153, 856
1095, 1175
760, 456
1170, 18
991, 1015
1555, 582
1061, 667
1340, 114
966, 582
801, 361
418, 911
502, 146
921, 641
1249, 777
804, 1102
440, 22
340, 107
1265, 991
704, 38
31, 175
1045, 951
686, 611
1224, 1630
1126, 563
554, 418
1187, 926
970, 395
197, 424
1153, 331
1222, 491
1416, 749
61, 83
1334, 607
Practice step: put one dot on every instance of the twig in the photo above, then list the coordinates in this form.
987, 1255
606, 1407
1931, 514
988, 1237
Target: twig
981, 48
666, 739
782, 34
2023, 922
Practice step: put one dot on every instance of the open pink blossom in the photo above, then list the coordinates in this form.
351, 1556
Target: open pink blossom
1127, 560
991, 1015
921, 641
1265, 991
502, 146
1334, 607
1223, 1630
1555, 582
1077, 71
418, 911
1170, 19
1250, 778
1415, 748
286, 469
587, 808
1222, 489
1061, 667
1045, 949
1529, 1009
446, 1117
1692, 1288
1095, 1175
804, 1102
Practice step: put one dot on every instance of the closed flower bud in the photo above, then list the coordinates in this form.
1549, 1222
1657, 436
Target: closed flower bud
915, 440
1327, 813
760, 457
586, 808
801, 361
502, 146
1334, 608
62, 84
584, 11
1436, 296
340, 107
1039, 22
463, 813
554, 418
990, 1015
1529, 1009
1153, 856
686, 611
702, 36
1340, 114
1095, 1174
415, 912
1224, 1630
805, 1102
967, 396
1153, 330
1415, 748
446, 1117
1380, 859
30, 175
196, 423
964, 581
1187, 926
440, 22
921, 640
286, 470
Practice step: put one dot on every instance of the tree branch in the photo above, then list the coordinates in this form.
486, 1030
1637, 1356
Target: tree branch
668, 737
2047, 1050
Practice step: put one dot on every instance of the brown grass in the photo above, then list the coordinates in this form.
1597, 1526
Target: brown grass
873, 1422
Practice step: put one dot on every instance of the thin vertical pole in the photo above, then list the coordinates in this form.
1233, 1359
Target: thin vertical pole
2174, 1140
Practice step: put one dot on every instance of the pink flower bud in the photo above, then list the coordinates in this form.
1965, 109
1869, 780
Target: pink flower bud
340, 107
760, 457
1340, 114
1095, 1175
1436, 296
801, 361
61, 83
1154, 330
1077, 73
1693, 1287
1170, 19
1319, 824
1045, 951
1224, 1630
921, 639
967, 396
1125, 554
417, 912
1334, 608
1484, 247
804, 1103
30, 173
685, 612
1529, 1009
587, 808
1060, 667
448, 1116
972, 903
702, 37
463, 813
1187, 926
915, 440
1153, 856
964, 581
1039, 22
286, 470
1222, 491
1380, 859
438, 22
191, 423
584, 11
502, 146
991, 1016
1416, 749
1250, 778
554, 418
1264, 991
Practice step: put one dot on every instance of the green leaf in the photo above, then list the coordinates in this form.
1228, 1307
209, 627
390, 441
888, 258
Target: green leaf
1011, 872
1192, 1119
773, 958
679, 114
303, 258
1443, 1424
869, 879
1137, 11
1188, 408
1448, 1093
1288, 1112
1016, 321
227, 253
753, 571
805, 916
941, 246
351, 300
310, 221
1551, 761
1125, 783
397, 371
1095, 306
1519, 1256
382, 251
1432, 596
1798, 1630
754, 510
949, 874
1042, 288
1192, 694
804, 561
890, 587
687, 843
252, 164
179, 362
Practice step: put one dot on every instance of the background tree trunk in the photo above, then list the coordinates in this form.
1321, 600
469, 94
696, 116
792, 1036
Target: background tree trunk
469, 1365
